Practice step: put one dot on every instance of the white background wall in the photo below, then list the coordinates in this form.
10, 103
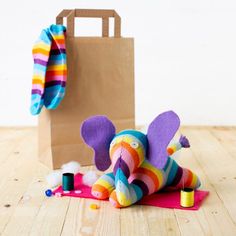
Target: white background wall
185, 55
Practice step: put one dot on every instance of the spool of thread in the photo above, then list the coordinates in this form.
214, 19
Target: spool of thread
187, 197
68, 181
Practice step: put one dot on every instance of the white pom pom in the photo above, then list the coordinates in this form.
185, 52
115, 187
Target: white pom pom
54, 179
90, 178
71, 167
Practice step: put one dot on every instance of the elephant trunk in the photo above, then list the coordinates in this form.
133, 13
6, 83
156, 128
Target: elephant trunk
121, 165
125, 161
126, 193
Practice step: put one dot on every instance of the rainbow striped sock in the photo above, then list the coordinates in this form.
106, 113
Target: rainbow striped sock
178, 177
103, 187
174, 147
57, 69
41, 50
126, 194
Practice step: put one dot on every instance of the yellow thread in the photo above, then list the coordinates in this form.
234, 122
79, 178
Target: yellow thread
187, 197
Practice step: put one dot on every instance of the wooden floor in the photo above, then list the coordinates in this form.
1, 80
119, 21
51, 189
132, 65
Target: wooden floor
24, 209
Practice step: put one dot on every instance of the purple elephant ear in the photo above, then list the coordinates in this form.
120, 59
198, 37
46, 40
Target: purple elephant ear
97, 132
160, 132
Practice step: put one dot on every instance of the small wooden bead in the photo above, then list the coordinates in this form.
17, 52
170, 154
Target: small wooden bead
94, 206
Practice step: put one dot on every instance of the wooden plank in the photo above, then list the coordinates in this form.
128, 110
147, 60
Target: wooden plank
15, 153
212, 218
226, 137
28, 207
217, 165
212, 157
160, 221
81, 220
133, 221
9, 141
15, 176
50, 217
147, 220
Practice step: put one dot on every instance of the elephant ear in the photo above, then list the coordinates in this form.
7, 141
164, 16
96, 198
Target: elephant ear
97, 132
160, 132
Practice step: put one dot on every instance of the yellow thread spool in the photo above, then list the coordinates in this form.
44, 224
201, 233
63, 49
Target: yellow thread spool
187, 197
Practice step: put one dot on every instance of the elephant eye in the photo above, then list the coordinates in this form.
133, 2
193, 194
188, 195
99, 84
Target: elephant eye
134, 145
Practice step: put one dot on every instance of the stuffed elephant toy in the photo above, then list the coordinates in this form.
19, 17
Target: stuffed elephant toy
141, 164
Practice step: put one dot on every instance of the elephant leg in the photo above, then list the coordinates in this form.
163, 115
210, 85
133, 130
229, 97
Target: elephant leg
103, 187
125, 194
113, 199
185, 178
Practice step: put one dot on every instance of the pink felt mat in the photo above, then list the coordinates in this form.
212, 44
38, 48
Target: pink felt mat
162, 199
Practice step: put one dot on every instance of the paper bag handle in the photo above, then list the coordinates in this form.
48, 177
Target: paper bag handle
104, 14
61, 15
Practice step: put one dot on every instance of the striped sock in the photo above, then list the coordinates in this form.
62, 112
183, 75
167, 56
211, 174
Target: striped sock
113, 200
174, 147
103, 187
178, 177
41, 51
57, 69
125, 194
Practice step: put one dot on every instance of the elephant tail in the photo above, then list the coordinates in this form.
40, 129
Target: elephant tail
174, 147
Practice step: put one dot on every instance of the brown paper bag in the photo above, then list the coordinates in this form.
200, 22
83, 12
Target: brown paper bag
100, 81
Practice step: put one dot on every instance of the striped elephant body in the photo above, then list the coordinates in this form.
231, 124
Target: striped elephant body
172, 177
144, 181
147, 180
134, 176
141, 163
